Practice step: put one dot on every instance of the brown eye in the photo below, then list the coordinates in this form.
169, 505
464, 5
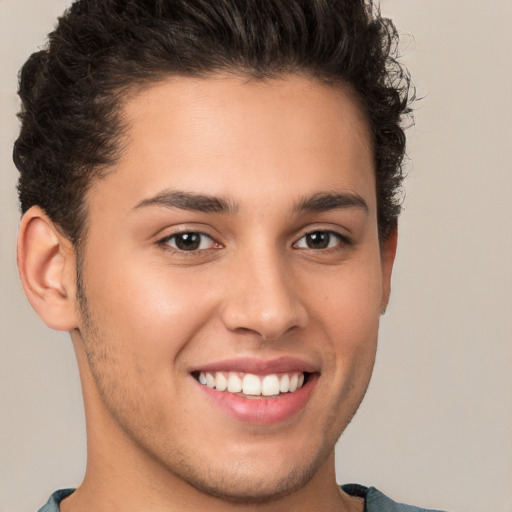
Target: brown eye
190, 241
319, 240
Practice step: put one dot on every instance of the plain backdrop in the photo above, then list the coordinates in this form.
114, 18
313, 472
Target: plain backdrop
436, 426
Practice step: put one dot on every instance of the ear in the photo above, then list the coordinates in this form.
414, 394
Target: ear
387, 255
47, 267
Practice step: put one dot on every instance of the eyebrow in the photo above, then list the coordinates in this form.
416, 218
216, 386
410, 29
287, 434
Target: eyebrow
325, 201
319, 202
189, 201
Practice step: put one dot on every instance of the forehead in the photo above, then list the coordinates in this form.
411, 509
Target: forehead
227, 135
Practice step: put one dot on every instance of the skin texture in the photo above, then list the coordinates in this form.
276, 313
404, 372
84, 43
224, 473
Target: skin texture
254, 289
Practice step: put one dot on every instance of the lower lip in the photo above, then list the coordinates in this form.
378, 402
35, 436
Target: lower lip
261, 410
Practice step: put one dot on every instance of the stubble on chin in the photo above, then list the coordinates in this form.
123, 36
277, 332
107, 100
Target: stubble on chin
240, 484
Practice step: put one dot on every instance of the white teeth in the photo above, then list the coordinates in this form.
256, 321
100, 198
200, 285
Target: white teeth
284, 383
234, 383
293, 383
251, 384
270, 385
221, 383
210, 380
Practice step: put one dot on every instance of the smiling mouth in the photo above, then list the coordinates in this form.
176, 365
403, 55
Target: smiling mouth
250, 385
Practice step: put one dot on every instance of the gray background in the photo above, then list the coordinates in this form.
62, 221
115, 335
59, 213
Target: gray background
436, 426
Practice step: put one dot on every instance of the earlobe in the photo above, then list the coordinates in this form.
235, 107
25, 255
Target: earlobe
46, 263
388, 253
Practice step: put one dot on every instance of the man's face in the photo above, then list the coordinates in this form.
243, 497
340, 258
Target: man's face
235, 243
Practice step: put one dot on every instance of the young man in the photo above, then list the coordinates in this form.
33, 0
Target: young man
210, 205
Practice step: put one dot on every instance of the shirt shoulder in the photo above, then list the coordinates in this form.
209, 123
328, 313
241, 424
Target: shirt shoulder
52, 505
376, 501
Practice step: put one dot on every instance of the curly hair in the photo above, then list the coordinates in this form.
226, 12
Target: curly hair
73, 90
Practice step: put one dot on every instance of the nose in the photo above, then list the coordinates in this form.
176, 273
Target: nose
262, 298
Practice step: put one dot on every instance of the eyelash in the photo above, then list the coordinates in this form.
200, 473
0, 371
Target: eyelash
342, 242
165, 243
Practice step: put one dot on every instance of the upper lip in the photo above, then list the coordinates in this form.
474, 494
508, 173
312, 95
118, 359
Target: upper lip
258, 366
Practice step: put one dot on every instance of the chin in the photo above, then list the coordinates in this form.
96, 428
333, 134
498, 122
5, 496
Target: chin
241, 486
244, 481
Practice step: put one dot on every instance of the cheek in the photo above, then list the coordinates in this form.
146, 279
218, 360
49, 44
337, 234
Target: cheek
350, 300
150, 311
349, 314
